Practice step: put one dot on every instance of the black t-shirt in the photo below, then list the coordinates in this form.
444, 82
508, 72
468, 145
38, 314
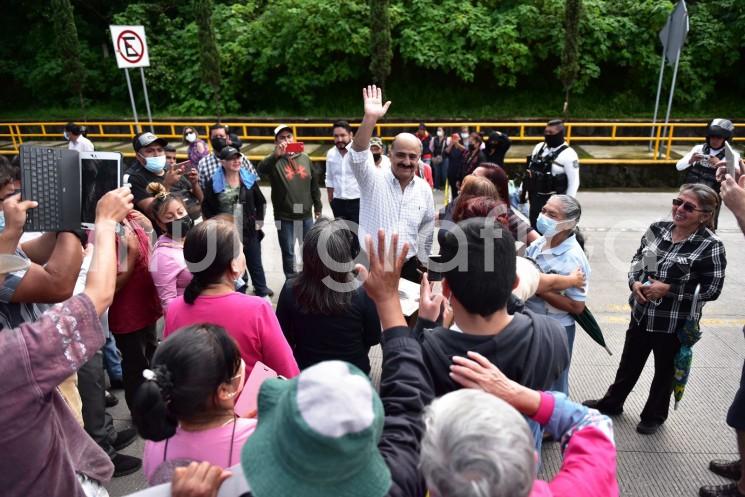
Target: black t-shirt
139, 178
315, 337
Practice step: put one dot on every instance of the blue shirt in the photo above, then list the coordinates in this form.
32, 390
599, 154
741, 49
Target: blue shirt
562, 259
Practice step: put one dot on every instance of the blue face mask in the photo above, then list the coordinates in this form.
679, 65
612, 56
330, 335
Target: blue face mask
546, 226
155, 164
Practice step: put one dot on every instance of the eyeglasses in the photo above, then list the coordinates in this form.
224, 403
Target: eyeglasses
687, 206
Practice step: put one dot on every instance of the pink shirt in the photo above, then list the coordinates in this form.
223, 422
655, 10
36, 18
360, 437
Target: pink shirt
168, 269
211, 445
249, 320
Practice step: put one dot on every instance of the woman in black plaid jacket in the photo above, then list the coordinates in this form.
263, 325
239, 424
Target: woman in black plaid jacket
673, 258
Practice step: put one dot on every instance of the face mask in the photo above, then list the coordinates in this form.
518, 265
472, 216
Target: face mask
546, 226
191, 137
218, 144
464, 136
440, 134
67, 137
554, 141
2, 221
376, 157
155, 164
242, 381
178, 228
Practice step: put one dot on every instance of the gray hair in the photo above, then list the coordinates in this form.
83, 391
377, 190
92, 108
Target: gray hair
476, 445
570, 207
708, 199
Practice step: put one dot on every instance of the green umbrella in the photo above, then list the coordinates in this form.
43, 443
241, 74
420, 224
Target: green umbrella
588, 323
688, 334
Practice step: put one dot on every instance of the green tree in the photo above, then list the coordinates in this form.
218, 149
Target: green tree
569, 69
68, 48
381, 52
209, 57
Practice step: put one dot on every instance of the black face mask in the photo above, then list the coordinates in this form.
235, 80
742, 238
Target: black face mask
218, 144
178, 228
554, 141
376, 157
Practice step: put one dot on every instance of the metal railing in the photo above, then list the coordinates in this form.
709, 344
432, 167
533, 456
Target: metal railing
585, 132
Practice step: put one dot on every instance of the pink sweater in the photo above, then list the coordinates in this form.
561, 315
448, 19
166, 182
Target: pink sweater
168, 269
249, 320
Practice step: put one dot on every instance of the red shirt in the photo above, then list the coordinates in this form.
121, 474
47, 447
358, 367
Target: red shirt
136, 305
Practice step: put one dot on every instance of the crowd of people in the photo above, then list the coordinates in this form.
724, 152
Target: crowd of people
471, 387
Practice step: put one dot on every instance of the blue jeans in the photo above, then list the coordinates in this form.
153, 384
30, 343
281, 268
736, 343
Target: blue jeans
112, 361
252, 251
440, 173
287, 235
562, 382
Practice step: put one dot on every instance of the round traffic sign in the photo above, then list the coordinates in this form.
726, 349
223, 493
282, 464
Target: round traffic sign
130, 46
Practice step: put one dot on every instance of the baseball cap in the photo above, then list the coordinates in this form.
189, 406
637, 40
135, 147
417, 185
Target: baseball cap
229, 153
146, 139
281, 128
376, 141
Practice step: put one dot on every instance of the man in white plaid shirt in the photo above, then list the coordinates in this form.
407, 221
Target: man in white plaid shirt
395, 199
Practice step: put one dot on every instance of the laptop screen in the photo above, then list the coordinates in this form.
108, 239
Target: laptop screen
97, 177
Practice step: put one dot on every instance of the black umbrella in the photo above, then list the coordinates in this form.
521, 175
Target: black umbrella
588, 323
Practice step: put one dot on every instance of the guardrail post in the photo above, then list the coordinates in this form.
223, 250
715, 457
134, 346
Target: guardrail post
670, 141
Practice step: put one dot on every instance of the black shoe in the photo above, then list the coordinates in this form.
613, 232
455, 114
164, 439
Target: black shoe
125, 465
727, 469
728, 490
648, 427
111, 399
268, 292
116, 383
598, 405
124, 438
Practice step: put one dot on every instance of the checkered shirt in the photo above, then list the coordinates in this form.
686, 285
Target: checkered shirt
699, 259
409, 212
209, 164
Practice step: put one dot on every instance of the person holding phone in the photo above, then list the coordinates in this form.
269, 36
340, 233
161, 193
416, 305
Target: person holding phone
187, 187
296, 195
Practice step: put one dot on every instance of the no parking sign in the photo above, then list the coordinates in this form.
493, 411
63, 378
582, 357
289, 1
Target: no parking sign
130, 46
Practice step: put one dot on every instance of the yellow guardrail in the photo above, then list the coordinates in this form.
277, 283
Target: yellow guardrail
583, 132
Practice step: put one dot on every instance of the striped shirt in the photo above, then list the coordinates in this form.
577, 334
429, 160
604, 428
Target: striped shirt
383, 204
699, 259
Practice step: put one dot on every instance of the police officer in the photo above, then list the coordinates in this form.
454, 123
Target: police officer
701, 163
553, 168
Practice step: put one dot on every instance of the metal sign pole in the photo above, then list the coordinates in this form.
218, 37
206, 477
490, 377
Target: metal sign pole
657, 101
132, 99
147, 100
670, 100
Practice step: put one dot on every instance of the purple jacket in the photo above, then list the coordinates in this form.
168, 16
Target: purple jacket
42, 445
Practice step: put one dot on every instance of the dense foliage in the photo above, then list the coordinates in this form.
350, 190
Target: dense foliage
450, 57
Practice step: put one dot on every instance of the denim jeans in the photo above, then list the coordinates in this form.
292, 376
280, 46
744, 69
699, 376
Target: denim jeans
287, 235
562, 382
112, 361
252, 251
440, 173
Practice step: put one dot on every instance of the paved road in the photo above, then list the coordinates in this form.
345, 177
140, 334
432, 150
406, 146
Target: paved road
672, 462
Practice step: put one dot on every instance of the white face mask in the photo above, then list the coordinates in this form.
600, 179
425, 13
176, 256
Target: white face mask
440, 134
191, 137
464, 136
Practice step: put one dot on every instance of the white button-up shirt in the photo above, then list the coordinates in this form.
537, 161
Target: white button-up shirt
82, 144
383, 204
339, 175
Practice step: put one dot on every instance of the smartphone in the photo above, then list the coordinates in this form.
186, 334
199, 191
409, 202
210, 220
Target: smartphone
432, 268
182, 165
295, 148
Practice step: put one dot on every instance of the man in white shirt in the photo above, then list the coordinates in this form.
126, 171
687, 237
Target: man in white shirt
553, 168
341, 185
74, 135
395, 199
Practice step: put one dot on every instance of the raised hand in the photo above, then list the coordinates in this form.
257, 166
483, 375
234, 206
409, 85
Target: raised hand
429, 305
373, 99
733, 194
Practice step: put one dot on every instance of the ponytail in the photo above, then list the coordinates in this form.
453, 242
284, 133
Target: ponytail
193, 290
150, 413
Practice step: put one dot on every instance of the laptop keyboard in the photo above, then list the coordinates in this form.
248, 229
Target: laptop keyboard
41, 172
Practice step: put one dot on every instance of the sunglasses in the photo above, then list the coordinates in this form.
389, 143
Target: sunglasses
687, 206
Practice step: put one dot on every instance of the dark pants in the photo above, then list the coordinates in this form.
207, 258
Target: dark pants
252, 251
537, 201
347, 209
97, 422
137, 350
639, 343
287, 235
440, 173
736, 413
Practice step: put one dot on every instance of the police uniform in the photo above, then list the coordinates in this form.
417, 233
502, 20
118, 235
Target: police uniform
702, 171
550, 171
